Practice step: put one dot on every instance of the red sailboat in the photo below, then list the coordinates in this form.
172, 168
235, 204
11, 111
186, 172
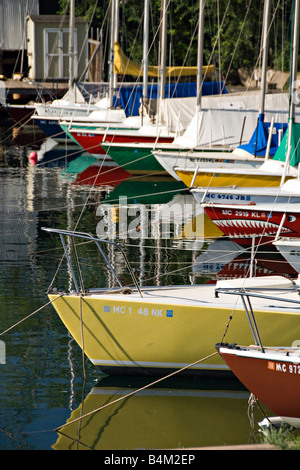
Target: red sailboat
262, 221
271, 374
92, 140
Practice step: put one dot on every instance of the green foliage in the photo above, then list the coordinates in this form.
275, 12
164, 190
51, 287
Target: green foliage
282, 439
232, 36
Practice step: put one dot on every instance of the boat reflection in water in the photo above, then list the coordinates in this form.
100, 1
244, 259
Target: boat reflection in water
175, 413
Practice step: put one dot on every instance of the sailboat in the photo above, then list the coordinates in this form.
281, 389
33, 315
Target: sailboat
265, 220
290, 250
210, 127
92, 102
268, 174
271, 373
216, 148
122, 328
261, 222
154, 128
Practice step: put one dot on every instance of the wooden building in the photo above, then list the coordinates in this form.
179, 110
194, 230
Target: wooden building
48, 47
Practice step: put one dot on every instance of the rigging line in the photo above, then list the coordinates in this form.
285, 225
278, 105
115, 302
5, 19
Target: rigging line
111, 201
186, 56
135, 391
219, 32
87, 34
236, 44
63, 157
20, 126
133, 161
260, 53
51, 53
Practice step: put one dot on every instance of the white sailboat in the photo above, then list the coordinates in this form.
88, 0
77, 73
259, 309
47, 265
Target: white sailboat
78, 102
284, 166
223, 126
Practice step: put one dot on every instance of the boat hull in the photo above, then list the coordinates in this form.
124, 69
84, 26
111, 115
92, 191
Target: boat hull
134, 159
157, 334
273, 379
242, 223
204, 157
51, 128
210, 179
92, 141
232, 195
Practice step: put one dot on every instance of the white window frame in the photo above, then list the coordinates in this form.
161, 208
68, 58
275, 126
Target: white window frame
49, 55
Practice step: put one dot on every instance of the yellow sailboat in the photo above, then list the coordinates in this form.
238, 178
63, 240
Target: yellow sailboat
155, 330
268, 175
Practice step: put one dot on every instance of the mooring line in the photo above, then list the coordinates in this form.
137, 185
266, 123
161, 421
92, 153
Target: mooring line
31, 314
134, 392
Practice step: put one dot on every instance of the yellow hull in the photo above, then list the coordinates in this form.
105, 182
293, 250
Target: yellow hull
129, 334
215, 179
167, 417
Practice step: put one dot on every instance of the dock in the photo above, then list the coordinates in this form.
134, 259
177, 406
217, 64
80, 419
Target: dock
19, 91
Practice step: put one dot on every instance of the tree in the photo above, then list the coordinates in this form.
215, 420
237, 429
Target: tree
232, 35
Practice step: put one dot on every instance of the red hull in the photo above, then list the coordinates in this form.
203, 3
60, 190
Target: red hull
242, 223
92, 142
275, 382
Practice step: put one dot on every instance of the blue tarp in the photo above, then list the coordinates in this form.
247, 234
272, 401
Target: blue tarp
257, 145
131, 96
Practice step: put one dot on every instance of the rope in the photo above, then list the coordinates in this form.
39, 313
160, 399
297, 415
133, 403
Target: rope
134, 392
31, 314
82, 336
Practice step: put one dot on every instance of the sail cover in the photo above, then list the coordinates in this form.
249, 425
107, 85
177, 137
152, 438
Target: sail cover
257, 145
295, 148
131, 96
124, 66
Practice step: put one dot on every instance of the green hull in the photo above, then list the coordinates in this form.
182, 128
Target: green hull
136, 160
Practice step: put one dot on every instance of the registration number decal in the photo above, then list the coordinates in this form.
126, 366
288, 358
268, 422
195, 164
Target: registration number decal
282, 367
143, 311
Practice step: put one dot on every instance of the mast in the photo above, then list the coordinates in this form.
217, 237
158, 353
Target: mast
199, 65
200, 53
162, 77
294, 68
116, 37
71, 43
145, 50
163, 49
265, 46
111, 55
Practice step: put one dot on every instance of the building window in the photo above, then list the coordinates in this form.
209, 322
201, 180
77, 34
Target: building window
56, 53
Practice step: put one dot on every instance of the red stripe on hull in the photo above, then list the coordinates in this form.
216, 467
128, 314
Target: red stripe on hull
92, 142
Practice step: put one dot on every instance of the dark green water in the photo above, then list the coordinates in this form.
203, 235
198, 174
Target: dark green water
42, 382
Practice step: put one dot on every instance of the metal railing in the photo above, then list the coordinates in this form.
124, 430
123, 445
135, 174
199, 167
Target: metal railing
78, 283
246, 294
